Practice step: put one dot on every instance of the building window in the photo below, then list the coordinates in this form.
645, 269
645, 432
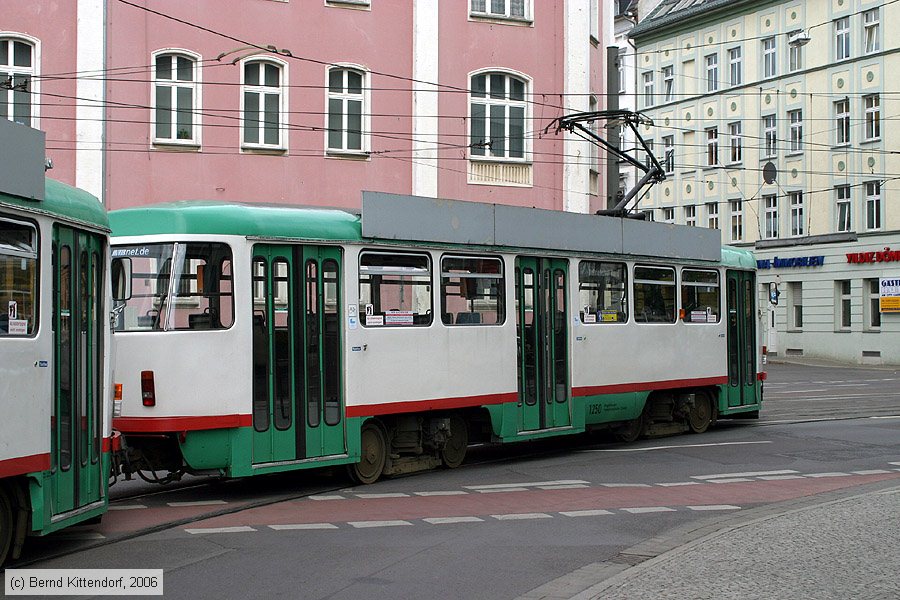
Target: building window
736, 66
346, 110
770, 64
795, 305
770, 128
648, 156
498, 116
648, 88
797, 223
734, 138
264, 98
842, 38
668, 215
873, 117
795, 55
796, 119
872, 26
593, 151
842, 305
712, 146
843, 208
621, 68
712, 215
872, 305
176, 98
654, 295
394, 289
873, 205
668, 83
601, 292
595, 20
472, 291
690, 215
712, 72
771, 203
506, 9
17, 66
668, 154
842, 121
700, 296
737, 220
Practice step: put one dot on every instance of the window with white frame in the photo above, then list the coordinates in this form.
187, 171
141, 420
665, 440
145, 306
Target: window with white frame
712, 215
712, 146
842, 122
872, 25
497, 107
843, 208
770, 132
770, 59
648, 88
17, 66
736, 66
712, 72
668, 74
842, 305
796, 119
668, 153
795, 55
648, 156
668, 215
873, 205
873, 117
842, 38
734, 138
264, 98
593, 151
595, 20
504, 9
690, 215
771, 215
621, 68
872, 305
346, 110
176, 102
795, 305
737, 220
797, 223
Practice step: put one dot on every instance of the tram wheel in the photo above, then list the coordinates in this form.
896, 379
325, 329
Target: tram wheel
373, 454
454, 451
700, 415
631, 430
6, 524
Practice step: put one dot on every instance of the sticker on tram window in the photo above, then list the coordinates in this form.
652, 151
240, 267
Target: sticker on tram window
374, 320
123, 252
609, 316
397, 317
18, 327
589, 318
13, 312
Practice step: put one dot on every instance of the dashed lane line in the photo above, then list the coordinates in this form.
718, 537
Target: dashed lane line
586, 513
293, 526
639, 510
677, 446
384, 495
369, 524
328, 497
205, 530
451, 520
746, 474
196, 503
443, 493
730, 480
126, 506
522, 516
715, 507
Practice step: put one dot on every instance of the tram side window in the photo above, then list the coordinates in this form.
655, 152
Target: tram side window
654, 294
471, 291
18, 278
601, 292
700, 296
394, 289
200, 297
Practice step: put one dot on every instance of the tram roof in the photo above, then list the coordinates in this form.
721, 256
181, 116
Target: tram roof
738, 257
63, 201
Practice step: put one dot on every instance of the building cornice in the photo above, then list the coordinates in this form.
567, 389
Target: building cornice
690, 19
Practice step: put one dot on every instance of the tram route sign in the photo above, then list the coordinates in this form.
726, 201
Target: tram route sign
889, 294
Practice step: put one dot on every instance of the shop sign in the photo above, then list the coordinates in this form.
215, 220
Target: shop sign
889, 294
786, 263
887, 255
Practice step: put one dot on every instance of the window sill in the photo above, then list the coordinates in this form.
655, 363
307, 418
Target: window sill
794, 154
347, 154
842, 331
870, 141
871, 330
763, 159
165, 146
712, 167
501, 19
841, 146
263, 151
353, 4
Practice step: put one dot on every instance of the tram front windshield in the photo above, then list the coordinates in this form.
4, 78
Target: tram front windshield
172, 286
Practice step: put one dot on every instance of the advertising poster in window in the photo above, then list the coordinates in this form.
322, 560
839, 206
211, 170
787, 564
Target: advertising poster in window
889, 296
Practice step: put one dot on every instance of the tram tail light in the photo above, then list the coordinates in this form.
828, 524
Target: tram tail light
117, 400
148, 388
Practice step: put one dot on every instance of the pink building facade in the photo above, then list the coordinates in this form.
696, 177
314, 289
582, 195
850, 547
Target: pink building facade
311, 101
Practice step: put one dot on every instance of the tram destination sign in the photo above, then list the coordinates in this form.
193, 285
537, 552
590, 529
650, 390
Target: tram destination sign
889, 294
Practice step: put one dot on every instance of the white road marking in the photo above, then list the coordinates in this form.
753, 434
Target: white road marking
446, 520
887, 417
585, 513
331, 497
679, 483
365, 524
87, 535
780, 477
801, 391
648, 509
896, 464
385, 495
443, 493
570, 486
624, 485
746, 474
676, 447
871, 472
521, 516
241, 529
198, 503
126, 506
494, 491
303, 526
816, 475
519, 485
715, 507
730, 480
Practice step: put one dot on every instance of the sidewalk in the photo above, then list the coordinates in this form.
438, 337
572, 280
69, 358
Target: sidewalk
840, 545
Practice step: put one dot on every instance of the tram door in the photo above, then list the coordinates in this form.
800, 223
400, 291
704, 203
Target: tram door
78, 325
297, 385
543, 345
741, 289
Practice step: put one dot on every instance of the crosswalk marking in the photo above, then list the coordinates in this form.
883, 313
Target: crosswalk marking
585, 513
201, 530
648, 509
521, 516
366, 524
448, 520
291, 526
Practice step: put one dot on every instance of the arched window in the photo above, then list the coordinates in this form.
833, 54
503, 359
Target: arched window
264, 98
347, 110
18, 67
176, 98
497, 110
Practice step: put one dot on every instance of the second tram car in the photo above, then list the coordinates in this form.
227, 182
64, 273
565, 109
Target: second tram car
252, 339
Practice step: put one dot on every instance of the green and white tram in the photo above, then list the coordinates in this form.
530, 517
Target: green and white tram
252, 339
54, 333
